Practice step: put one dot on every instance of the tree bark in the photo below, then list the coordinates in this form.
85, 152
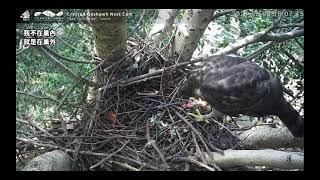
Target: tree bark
189, 32
110, 40
163, 25
267, 137
110, 33
260, 37
267, 157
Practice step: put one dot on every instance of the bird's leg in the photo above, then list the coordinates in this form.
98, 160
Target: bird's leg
210, 115
217, 115
199, 117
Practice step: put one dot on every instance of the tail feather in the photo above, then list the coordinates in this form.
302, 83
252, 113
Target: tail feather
291, 118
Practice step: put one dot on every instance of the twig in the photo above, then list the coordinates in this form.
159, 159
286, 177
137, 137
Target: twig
30, 141
192, 160
301, 25
222, 13
23, 132
37, 97
87, 153
299, 44
66, 96
76, 155
283, 36
104, 159
138, 23
292, 57
155, 146
198, 148
64, 127
180, 53
137, 162
138, 81
261, 37
66, 70
172, 35
124, 58
277, 21
194, 130
40, 128
22, 121
21, 47
149, 75
66, 43
70, 60
124, 165
241, 141
260, 50
57, 112
60, 65
175, 91
223, 126
200, 137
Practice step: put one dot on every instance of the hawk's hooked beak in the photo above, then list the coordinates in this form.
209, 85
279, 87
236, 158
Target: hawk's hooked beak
187, 88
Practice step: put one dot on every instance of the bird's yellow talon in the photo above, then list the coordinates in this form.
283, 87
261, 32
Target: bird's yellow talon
198, 116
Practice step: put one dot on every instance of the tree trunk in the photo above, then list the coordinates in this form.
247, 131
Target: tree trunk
189, 32
163, 24
110, 33
110, 37
266, 137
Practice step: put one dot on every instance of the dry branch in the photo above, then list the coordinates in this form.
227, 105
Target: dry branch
37, 97
106, 158
292, 57
147, 75
222, 13
58, 56
279, 37
267, 137
268, 157
260, 50
263, 36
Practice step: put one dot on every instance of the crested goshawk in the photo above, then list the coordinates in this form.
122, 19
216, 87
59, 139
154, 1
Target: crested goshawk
234, 85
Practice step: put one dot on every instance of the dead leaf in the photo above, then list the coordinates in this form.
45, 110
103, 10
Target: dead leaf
112, 116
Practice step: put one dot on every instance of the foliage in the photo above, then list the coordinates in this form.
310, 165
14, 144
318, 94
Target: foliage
250, 22
37, 76
146, 24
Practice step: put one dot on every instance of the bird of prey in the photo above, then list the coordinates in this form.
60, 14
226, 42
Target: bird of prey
234, 85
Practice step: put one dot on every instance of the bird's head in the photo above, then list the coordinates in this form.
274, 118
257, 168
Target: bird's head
186, 88
189, 86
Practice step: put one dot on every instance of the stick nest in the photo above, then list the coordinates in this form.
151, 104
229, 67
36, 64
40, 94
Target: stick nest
138, 123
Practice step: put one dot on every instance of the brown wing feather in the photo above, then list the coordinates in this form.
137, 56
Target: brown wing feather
234, 85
